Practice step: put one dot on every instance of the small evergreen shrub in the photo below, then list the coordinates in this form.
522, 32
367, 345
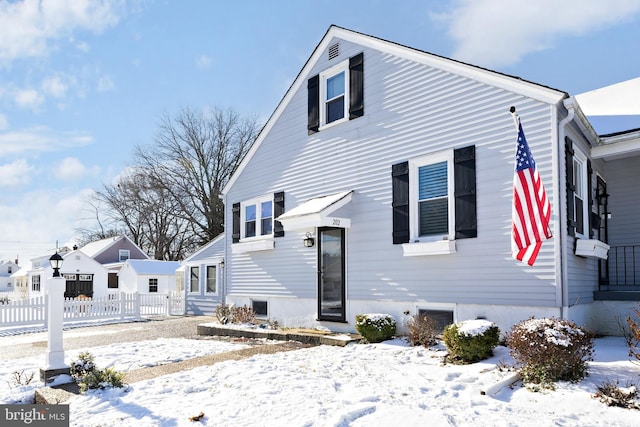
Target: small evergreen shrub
549, 350
4, 300
472, 340
375, 327
422, 330
88, 377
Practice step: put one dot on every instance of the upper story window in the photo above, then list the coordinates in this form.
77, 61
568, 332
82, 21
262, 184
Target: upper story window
333, 83
123, 255
336, 94
35, 283
257, 218
9, 269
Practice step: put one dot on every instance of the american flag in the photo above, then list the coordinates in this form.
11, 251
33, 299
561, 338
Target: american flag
531, 208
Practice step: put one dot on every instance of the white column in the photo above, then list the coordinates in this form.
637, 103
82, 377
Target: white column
54, 364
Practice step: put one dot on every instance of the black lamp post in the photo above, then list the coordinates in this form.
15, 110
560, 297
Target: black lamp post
56, 264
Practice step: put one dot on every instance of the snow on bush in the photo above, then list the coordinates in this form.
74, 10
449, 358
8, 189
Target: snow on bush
549, 350
471, 340
375, 327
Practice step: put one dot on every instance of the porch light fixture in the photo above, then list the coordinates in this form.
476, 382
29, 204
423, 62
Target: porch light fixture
308, 241
56, 263
222, 264
602, 197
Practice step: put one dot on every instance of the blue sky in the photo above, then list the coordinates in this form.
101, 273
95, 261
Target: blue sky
84, 81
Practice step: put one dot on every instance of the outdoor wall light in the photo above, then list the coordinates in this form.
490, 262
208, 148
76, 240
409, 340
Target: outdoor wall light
222, 264
308, 241
56, 264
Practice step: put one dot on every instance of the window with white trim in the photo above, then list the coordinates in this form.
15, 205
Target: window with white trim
334, 94
257, 218
35, 283
123, 255
194, 279
153, 284
211, 279
431, 198
580, 196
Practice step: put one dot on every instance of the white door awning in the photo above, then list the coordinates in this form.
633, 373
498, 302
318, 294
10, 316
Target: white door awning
317, 212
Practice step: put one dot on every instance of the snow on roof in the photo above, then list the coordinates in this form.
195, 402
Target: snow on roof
618, 99
94, 248
152, 266
315, 205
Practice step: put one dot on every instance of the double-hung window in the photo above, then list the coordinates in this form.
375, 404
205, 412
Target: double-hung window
211, 279
431, 198
153, 284
334, 94
123, 255
257, 218
194, 279
580, 197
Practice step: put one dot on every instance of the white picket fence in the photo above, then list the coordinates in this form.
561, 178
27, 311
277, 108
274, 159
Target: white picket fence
33, 311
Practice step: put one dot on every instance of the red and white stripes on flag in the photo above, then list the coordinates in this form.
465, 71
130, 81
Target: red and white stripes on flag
531, 208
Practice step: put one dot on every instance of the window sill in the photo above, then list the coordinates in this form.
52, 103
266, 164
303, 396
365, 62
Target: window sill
441, 247
252, 246
592, 248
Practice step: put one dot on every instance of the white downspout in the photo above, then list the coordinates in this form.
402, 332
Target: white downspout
564, 275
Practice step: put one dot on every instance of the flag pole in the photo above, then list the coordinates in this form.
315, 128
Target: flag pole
516, 118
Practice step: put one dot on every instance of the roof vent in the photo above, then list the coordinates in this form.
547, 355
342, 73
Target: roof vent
334, 50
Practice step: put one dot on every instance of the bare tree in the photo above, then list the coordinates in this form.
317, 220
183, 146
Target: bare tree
193, 157
169, 202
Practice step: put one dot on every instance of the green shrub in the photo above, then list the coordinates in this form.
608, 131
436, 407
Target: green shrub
375, 327
422, 330
471, 340
549, 350
88, 377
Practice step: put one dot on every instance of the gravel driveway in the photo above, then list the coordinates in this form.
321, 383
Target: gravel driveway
34, 344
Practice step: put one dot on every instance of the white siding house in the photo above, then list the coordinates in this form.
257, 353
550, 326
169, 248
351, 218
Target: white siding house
203, 273
383, 183
148, 276
7, 269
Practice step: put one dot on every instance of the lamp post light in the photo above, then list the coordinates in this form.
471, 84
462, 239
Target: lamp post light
55, 365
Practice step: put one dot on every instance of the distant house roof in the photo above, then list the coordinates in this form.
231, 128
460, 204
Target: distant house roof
94, 249
151, 266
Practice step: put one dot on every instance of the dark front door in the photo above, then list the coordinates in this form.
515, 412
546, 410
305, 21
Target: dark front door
331, 274
79, 285
601, 226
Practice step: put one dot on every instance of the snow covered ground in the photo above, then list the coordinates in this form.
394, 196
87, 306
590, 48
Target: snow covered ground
382, 384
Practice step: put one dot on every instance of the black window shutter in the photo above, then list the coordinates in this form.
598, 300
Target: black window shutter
400, 202
571, 187
464, 172
356, 86
278, 209
235, 237
590, 197
313, 89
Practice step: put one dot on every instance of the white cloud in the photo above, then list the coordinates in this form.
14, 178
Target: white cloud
55, 86
4, 123
28, 98
495, 33
15, 173
105, 84
203, 61
28, 27
72, 168
41, 139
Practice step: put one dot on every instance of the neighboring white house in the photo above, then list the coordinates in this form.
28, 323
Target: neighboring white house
383, 183
148, 276
83, 275
203, 274
7, 269
112, 252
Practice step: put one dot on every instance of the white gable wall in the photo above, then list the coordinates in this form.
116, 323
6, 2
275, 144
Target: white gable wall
411, 110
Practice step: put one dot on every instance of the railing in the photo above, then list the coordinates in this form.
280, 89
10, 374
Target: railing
33, 311
620, 270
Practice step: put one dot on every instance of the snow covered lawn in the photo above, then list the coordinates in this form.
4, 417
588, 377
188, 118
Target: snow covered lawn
382, 384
